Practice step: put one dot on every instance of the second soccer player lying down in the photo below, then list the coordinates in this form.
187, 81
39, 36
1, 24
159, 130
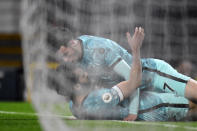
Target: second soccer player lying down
111, 103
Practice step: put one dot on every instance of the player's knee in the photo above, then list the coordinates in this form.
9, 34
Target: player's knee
191, 89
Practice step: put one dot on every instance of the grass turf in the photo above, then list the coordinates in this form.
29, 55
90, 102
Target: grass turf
24, 122
18, 122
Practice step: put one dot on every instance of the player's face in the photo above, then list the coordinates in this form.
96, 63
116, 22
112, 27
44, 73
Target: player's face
81, 75
69, 53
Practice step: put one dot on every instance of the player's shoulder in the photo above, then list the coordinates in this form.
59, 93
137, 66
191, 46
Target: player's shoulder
101, 97
95, 40
99, 45
90, 37
97, 95
83, 37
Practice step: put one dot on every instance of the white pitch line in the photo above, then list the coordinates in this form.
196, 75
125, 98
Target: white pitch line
39, 115
158, 124
74, 118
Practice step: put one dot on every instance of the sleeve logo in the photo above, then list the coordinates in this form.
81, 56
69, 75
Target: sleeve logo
107, 97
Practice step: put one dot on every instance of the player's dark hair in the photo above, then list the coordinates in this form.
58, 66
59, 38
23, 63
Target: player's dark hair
66, 36
59, 36
63, 80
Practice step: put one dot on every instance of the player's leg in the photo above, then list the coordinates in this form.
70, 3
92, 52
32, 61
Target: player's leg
162, 107
192, 113
191, 90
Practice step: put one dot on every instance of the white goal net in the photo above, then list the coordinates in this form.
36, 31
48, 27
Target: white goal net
170, 34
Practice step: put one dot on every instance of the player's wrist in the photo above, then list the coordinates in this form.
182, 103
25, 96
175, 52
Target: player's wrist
130, 117
136, 52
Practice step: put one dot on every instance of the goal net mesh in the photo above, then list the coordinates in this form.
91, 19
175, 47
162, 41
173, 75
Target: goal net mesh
170, 34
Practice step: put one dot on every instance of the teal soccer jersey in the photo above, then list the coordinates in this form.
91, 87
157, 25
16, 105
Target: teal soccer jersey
99, 54
100, 51
107, 104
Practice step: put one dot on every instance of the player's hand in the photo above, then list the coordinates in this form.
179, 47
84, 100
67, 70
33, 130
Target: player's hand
130, 117
135, 42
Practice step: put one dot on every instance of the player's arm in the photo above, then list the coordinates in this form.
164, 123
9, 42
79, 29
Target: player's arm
135, 42
133, 106
123, 69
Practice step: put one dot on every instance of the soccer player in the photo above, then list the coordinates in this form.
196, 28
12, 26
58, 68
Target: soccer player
114, 103
105, 103
156, 74
97, 55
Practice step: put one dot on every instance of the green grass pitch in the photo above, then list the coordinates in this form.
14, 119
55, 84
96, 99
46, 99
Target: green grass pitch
14, 117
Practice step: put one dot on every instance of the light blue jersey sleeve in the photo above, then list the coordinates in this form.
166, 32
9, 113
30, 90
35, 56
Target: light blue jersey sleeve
134, 102
123, 69
104, 104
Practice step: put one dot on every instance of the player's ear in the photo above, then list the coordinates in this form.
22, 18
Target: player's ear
77, 87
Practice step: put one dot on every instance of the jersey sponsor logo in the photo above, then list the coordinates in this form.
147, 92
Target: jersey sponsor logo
107, 97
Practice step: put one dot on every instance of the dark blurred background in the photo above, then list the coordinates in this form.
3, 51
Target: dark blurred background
170, 28
11, 65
